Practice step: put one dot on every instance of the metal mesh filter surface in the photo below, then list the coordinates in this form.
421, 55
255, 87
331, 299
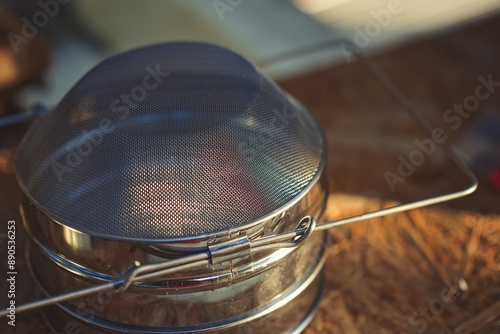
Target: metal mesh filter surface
167, 142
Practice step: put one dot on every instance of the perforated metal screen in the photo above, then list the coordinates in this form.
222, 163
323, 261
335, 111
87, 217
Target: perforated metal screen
168, 141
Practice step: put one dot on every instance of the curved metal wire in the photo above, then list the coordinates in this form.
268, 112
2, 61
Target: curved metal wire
348, 50
396, 93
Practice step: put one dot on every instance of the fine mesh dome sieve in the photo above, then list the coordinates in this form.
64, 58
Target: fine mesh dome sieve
170, 141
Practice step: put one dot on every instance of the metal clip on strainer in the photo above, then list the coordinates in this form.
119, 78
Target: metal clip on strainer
164, 187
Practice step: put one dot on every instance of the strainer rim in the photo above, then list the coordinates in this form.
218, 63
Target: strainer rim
202, 236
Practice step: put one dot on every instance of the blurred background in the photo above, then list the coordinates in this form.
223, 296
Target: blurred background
78, 34
381, 273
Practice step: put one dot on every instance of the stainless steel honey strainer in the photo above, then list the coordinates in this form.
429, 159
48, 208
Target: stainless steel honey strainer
184, 182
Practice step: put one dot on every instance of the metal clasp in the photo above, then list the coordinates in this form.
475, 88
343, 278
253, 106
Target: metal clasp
229, 250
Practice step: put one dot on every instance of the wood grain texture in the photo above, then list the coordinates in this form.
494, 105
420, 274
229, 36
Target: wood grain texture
434, 270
